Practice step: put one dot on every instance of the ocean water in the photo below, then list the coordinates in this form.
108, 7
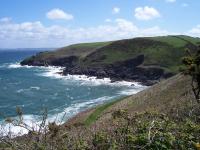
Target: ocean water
35, 88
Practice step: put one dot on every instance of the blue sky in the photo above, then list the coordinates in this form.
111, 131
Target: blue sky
56, 23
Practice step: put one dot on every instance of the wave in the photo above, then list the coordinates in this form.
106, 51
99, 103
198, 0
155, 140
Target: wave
17, 65
131, 91
77, 107
30, 120
28, 89
33, 121
54, 72
35, 87
20, 90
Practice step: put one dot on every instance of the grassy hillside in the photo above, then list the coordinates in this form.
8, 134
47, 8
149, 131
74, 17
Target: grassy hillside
80, 50
165, 51
170, 104
173, 93
177, 40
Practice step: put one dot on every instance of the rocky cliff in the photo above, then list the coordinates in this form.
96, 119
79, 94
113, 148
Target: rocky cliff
146, 60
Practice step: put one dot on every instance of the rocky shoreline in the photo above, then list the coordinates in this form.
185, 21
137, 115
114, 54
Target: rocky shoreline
128, 70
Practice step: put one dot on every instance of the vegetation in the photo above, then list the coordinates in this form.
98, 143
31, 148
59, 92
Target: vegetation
80, 50
165, 52
147, 130
98, 111
192, 63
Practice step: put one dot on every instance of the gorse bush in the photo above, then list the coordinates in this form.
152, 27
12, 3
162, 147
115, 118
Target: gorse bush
192, 63
148, 130
155, 131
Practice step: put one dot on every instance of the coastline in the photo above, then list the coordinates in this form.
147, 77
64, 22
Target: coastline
59, 70
93, 75
54, 72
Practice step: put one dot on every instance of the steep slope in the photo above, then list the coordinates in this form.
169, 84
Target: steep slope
165, 109
173, 97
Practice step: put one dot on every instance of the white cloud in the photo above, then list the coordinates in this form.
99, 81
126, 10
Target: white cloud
154, 31
195, 31
116, 10
170, 1
126, 25
57, 13
146, 13
35, 34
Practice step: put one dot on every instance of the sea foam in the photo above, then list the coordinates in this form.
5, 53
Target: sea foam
55, 73
28, 89
17, 65
75, 108
34, 121
8, 128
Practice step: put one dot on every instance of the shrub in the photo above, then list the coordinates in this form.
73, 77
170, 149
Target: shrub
192, 63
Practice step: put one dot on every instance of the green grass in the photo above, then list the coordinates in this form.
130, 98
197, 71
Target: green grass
98, 111
193, 40
176, 41
162, 51
91, 45
80, 50
171, 40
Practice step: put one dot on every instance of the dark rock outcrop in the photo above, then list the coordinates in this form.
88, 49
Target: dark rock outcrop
62, 61
129, 70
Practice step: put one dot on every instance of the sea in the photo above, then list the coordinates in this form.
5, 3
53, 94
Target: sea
35, 89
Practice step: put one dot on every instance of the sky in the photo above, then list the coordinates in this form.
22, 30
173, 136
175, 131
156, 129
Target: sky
57, 23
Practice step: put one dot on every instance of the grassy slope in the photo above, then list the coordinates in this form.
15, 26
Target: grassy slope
163, 51
98, 111
172, 98
162, 97
80, 50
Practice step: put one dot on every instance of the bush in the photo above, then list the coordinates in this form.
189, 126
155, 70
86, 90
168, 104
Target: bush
192, 63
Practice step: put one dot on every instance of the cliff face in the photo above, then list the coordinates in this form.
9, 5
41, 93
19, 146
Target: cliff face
146, 60
131, 69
